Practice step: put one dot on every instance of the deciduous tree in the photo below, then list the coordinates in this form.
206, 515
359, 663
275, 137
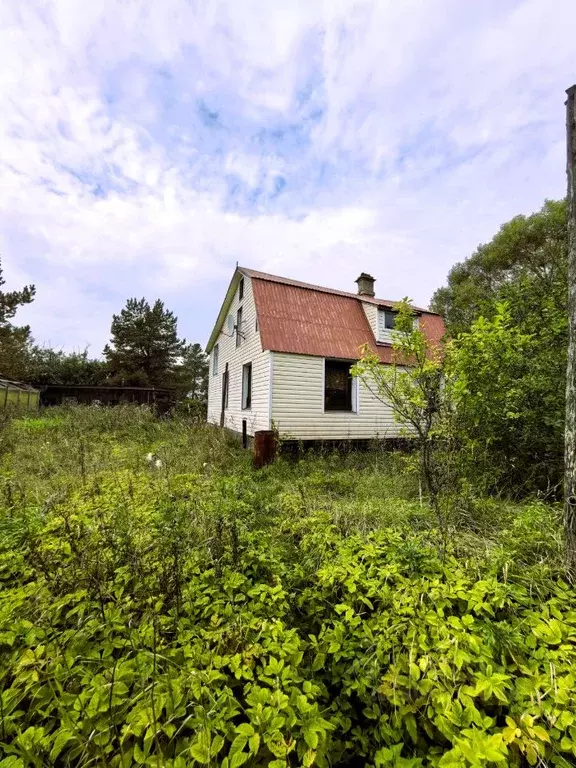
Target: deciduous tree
413, 387
524, 266
52, 366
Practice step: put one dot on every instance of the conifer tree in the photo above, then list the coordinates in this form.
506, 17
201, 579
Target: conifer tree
144, 349
14, 341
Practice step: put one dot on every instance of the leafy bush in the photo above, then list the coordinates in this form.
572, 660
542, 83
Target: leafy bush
198, 612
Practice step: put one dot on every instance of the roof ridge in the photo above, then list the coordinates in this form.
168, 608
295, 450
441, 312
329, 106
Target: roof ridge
256, 274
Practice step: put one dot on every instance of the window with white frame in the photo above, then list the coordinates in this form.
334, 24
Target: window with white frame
215, 360
340, 387
386, 324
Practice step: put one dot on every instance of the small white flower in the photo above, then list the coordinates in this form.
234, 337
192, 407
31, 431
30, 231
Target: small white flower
205, 464
158, 464
149, 458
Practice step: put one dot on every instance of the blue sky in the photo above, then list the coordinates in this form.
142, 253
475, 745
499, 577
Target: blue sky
145, 148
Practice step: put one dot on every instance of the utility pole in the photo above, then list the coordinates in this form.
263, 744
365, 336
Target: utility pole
570, 434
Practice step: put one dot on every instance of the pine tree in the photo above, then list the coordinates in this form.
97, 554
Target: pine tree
193, 372
14, 341
144, 349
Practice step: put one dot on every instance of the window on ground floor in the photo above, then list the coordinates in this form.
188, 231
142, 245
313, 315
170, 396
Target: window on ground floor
247, 386
339, 386
225, 387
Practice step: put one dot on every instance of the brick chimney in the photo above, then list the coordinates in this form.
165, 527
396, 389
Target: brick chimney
366, 285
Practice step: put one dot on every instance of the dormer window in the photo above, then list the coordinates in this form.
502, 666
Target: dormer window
389, 318
386, 324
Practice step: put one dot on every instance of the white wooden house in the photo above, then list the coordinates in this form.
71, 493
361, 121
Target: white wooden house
280, 355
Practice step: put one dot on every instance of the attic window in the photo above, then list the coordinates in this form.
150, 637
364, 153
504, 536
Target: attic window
339, 386
215, 360
386, 324
389, 319
241, 289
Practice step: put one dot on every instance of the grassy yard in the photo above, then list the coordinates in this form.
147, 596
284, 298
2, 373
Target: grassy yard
189, 610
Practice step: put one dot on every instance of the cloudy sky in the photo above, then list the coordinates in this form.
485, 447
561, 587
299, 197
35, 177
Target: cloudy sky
148, 145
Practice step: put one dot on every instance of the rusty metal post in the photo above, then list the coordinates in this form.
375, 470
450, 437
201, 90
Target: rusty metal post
264, 448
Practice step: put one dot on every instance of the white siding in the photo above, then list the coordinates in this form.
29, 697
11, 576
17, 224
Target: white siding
371, 312
384, 334
250, 351
375, 317
298, 405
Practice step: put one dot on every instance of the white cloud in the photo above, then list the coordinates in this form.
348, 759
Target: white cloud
435, 120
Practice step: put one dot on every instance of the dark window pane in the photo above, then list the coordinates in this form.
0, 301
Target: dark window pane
337, 386
247, 386
389, 318
241, 289
239, 327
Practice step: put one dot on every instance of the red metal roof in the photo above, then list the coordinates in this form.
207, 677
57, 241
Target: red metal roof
298, 284
301, 319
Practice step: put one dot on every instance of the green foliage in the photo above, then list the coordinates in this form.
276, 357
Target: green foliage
14, 340
191, 379
529, 250
145, 348
524, 267
413, 386
498, 395
51, 366
202, 613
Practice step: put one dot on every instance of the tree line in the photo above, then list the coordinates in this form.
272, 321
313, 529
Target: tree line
145, 350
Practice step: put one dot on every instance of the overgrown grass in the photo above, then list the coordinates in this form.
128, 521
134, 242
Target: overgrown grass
200, 612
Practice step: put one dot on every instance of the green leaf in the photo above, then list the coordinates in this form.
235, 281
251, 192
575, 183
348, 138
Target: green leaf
254, 743
139, 756
200, 750
310, 737
216, 745
62, 738
410, 723
238, 758
541, 733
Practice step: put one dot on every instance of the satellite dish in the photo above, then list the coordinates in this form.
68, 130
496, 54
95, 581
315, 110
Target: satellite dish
230, 325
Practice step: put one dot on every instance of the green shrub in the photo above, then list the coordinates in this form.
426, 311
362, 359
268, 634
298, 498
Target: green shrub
200, 612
